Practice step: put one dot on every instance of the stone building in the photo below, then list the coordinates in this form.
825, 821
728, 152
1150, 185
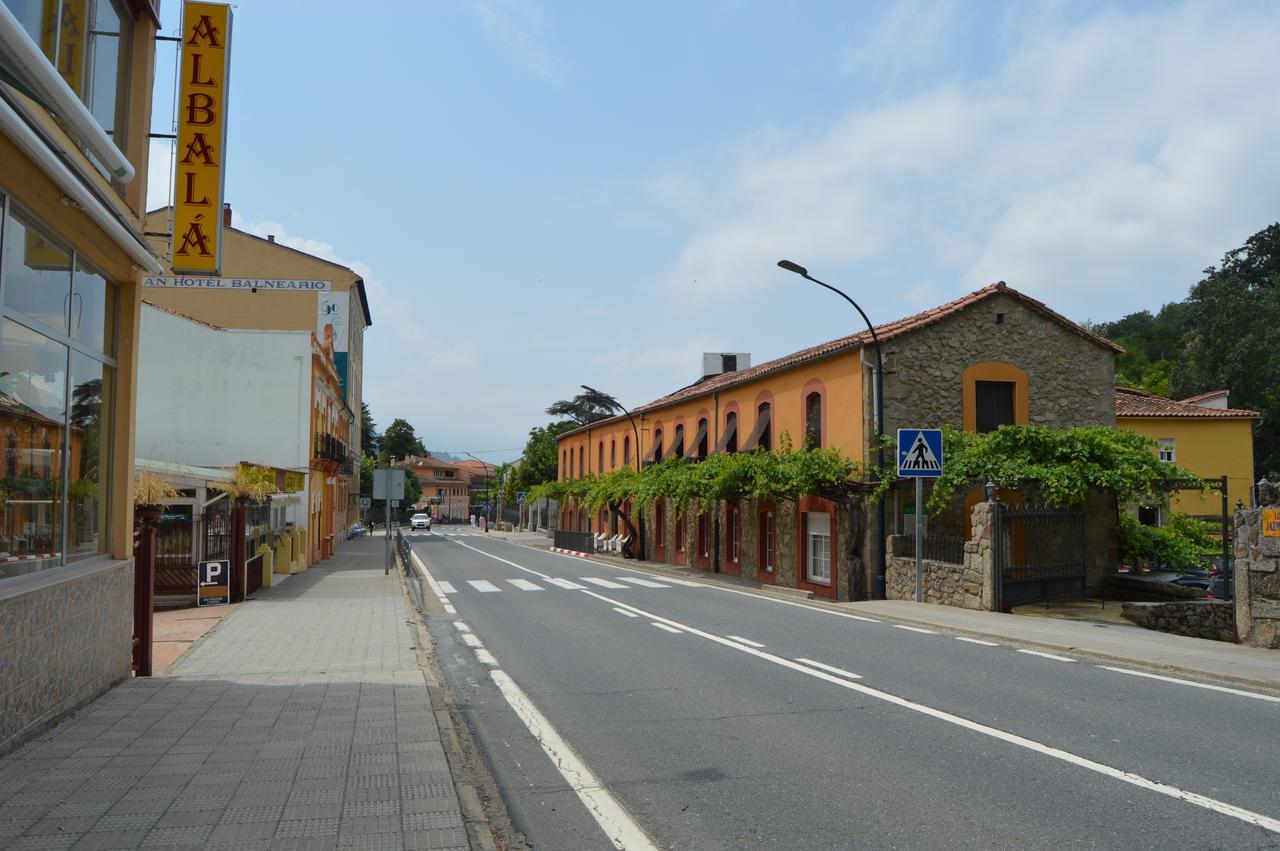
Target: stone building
992, 357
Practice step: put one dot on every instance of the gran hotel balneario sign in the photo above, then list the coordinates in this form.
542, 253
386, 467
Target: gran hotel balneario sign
252, 284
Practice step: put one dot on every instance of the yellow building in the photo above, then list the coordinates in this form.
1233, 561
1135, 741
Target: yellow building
267, 286
1200, 434
72, 259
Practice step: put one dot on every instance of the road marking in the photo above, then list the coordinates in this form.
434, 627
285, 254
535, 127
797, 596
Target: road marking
526, 585
450, 609
461, 627
603, 583
685, 582
1225, 689
746, 641
831, 669
483, 585
565, 583
625, 612
1247, 816
1044, 655
447, 588
661, 625
485, 657
471, 639
621, 829
977, 641
914, 628
643, 583
501, 559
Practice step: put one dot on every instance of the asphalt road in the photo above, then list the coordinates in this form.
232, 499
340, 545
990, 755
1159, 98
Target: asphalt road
709, 718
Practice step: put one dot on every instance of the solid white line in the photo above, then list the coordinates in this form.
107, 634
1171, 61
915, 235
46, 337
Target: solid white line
625, 612
1044, 655
661, 625
461, 626
1247, 816
746, 641
976, 641
1225, 689
565, 583
485, 657
622, 831
603, 583
483, 585
447, 587
832, 669
914, 628
501, 559
526, 585
643, 583
471, 639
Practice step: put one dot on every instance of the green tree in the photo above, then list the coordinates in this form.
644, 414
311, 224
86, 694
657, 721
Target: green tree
587, 407
399, 440
541, 458
368, 432
1233, 337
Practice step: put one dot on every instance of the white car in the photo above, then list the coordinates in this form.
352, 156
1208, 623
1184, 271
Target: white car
420, 521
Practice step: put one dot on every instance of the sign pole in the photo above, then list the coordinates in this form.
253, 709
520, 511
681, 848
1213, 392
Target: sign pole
919, 539
386, 549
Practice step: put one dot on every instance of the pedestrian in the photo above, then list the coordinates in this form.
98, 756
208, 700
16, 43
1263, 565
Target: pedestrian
484, 523
473, 520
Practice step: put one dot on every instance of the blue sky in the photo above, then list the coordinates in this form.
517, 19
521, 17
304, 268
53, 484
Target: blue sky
542, 195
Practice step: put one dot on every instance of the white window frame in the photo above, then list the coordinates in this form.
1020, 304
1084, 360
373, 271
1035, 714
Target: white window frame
817, 540
1168, 450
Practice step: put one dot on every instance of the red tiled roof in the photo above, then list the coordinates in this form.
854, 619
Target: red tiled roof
1197, 399
1137, 403
887, 331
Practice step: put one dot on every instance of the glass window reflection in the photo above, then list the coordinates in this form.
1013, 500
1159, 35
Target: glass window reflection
37, 273
33, 393
89, 444
93, 310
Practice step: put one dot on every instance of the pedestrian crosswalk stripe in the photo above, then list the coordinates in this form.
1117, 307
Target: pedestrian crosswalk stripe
685, 582
526, 585
447, 587
643, 583
481, 585
603, 583
565, 584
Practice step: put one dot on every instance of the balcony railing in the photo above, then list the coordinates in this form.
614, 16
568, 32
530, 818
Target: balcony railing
329, 448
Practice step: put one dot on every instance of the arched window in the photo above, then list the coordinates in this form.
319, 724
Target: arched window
564, 464
11, 456
703, 431
571, 463
600, 464
657, 445
582, 461
764, 413
613, 453
813, 420
677, 444
731, 430
626, 449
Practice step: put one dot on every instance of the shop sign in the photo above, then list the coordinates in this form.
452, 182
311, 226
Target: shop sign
1271, 522
213, 587
202, 138
294, 482
253, 284
63, 37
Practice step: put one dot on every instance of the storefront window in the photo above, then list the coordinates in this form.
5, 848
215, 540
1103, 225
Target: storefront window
37, 273
93, 310
33, 392
88, 436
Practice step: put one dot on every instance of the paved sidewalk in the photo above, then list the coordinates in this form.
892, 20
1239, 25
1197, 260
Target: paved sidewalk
303, 721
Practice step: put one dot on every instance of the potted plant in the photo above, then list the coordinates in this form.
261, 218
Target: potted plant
150, 492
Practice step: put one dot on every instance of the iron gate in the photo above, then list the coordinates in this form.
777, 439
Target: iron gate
217, 533
1041, 555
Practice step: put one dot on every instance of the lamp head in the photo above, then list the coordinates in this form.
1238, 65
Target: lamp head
793, 267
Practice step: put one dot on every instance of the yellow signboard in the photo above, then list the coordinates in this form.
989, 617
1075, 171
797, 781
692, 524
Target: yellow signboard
1271, 522
202, 138
63, 37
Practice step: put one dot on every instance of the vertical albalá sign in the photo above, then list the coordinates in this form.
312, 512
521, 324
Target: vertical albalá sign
202, 138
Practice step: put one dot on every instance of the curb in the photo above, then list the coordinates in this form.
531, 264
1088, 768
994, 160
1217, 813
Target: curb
562, 551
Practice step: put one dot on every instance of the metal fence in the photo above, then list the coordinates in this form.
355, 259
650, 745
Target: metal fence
937, 548
1041, 555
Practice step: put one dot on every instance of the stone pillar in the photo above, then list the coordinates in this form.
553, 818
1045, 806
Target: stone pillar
268, 561
980, 579
1257, 573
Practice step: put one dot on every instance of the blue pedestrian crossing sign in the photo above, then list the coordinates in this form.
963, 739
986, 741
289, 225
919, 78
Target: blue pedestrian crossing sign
920, 452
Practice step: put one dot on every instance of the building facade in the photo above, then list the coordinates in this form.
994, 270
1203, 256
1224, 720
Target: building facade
993, 357
72, 259
446, 487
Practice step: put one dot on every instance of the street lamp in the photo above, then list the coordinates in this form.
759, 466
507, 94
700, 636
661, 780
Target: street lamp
639, 465
879, 387
484, 468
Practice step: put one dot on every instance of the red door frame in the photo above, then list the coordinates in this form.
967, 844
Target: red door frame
816, 504
766, 515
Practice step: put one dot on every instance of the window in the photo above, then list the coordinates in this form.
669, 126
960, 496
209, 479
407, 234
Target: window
763, 414
626, 449
733, 533
731, 429
818, 547
677, 443
571, 463
813, 420
768, 541
994, 404
582, 465
613, 453
703, 428
564, 462
600, 460
704, 543
1168, 450
657, 445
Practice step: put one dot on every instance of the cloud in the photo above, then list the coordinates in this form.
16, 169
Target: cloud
1101, 161
514, 28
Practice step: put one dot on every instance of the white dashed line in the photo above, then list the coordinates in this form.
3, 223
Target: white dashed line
471, 639
841, 672
746, 641
526, 585
625, 612
662, 626
486, 658
1226, 690
914, 628
1044, 655
447, 588
977, 641
603, 583
565, 584
461, 627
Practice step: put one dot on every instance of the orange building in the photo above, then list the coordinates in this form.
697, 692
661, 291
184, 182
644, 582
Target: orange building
993, 357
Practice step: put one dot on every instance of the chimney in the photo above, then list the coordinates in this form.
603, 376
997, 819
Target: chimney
271, 237
226, 215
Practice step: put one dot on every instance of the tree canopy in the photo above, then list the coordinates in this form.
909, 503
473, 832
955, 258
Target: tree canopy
587, 407
399, 440
368, 432
540, 460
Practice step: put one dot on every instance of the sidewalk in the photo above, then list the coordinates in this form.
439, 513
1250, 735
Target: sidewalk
1112, 642
303, 721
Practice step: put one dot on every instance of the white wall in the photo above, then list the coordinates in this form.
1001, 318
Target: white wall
214, 398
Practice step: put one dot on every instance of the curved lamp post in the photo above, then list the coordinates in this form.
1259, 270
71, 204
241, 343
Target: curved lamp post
639, 466
880, 553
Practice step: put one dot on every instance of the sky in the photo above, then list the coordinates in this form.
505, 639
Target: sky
542, 195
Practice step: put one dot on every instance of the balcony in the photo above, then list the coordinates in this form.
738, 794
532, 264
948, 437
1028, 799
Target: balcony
329, 448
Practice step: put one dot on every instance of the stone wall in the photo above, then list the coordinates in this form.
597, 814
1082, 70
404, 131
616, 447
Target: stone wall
1198, 619
64, 639
1257, 580
968, 586
1070, 380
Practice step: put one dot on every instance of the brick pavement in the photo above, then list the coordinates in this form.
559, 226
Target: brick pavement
303, 722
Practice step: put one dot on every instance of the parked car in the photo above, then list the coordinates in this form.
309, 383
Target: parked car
1201, 582
1218, 589
420, 521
